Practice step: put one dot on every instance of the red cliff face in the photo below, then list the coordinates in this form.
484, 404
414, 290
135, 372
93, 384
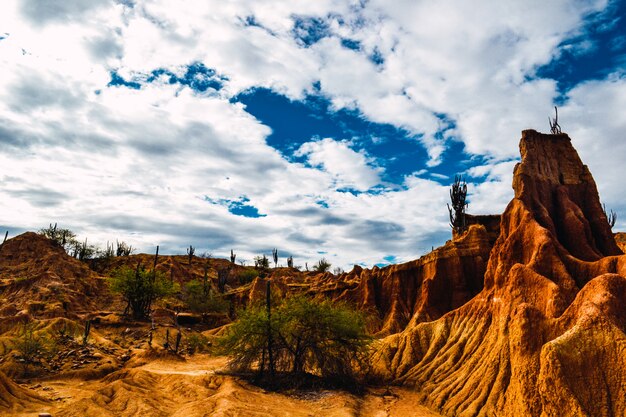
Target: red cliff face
545, 336
416, 291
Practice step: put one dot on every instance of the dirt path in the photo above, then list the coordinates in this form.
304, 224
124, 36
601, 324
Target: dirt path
193, 388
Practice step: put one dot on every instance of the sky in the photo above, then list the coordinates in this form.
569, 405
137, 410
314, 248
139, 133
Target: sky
327, 128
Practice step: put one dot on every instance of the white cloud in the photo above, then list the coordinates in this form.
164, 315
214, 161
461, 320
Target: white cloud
348, 168
114, 162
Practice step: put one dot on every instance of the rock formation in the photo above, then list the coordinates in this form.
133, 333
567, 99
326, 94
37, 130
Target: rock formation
416, 291
38, 277
545, 336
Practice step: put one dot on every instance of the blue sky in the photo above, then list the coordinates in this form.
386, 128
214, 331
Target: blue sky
328, 128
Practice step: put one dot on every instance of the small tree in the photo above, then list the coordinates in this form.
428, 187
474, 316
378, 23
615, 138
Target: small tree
323, 338
322, 265
458, 194
202, 300
140, 288
261, 262
63, 237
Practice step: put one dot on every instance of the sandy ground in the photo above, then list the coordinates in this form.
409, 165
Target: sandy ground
196, 387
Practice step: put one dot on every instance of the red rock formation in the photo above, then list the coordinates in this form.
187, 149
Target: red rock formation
38, 276
545, 336
415, 291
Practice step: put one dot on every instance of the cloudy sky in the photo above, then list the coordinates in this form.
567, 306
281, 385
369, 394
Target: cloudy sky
323, 128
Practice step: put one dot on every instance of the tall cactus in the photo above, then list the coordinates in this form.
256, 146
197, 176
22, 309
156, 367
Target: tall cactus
275, 256
233, 256
268, 306
190, 252
290, 262
458, 193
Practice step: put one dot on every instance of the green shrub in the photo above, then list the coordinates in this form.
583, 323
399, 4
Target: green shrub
247, 275
200, 299
197, 343
140, 288
322, 338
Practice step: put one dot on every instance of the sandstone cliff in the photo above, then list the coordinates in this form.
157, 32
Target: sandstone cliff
545, 336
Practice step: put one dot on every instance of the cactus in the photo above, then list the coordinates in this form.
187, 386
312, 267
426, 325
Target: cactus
268, 306
86, 332
275, 256
222, 276
233, 256
290, 262
611, 217
190, 252
178, 337
458, 193
123, 249
555, 128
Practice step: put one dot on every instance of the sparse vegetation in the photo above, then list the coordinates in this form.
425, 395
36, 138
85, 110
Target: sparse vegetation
322, 265
321, 338
200, 299
28, 345
261, 262
140, 288
247, 275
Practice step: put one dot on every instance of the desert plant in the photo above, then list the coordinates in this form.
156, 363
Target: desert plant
222, 277
322, 265
197, 342
86, 332
28, 345
140, 288
200, 299
611, 217
247, 275
190, 252
233, 256
290, 262
555, 128
275, 256
261, 262
458, 194
338, 271
305, 336
123, 249
63, 237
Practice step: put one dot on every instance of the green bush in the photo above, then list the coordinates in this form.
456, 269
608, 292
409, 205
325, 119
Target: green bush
247, 275
197, 343
140, 288
201, 299
322, 338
